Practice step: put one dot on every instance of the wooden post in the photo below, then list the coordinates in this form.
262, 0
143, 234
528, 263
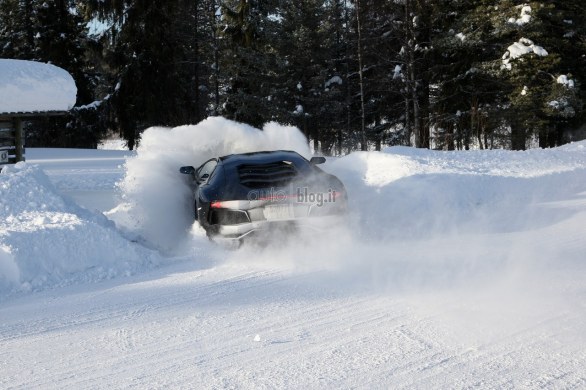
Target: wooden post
18, 139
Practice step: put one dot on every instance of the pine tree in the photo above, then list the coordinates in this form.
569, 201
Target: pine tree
301, 53
382, 39
247, 61
17, 21
465, 98
154, 63
334, 109
525, 56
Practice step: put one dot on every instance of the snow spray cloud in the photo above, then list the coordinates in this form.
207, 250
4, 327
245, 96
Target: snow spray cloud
423, 220
157, 198
488, 242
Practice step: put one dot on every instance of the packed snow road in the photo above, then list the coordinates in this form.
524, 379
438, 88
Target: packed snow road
460, 269
248, 327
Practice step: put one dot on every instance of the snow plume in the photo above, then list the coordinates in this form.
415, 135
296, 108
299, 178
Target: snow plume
46, 240
481, 224
158, 199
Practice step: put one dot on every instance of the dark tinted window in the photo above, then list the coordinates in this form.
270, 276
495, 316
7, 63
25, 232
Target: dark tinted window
207, 168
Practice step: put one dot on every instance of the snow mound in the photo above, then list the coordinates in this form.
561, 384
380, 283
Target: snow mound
407, 193
157, 200
28, 86
46, 240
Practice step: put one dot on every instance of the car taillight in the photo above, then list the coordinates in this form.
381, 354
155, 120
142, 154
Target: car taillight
216, 204
338, 195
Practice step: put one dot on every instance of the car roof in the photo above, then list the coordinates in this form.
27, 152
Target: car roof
261, 157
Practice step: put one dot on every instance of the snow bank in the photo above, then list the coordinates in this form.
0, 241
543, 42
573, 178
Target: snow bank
418, 218
157, 198
46, 240
113, 144
27, 86
425, 220
407, 193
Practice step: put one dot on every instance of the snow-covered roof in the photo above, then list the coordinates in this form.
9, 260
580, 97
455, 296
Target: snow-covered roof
31, 87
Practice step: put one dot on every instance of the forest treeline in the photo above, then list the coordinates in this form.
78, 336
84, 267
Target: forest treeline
351, 74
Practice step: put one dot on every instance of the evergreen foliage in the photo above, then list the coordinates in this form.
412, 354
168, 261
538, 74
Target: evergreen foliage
349, 73
53, 31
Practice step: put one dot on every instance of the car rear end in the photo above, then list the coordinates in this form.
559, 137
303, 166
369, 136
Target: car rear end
275, 192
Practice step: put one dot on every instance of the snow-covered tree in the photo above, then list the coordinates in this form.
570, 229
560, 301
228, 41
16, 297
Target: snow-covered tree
247, 60
525, 55
153, 60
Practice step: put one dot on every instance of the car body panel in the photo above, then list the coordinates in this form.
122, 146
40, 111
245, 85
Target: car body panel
240, 194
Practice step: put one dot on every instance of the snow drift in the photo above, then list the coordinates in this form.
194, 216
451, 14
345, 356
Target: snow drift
46, 240
407, 193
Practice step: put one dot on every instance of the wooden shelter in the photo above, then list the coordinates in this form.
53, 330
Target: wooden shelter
29, 90
12, 136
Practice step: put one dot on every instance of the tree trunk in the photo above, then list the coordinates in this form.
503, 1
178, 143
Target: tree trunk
363, 145
518, 137
421, 64
216, 68
196, 103
348, 89
411, 77
30, 39
450, 136
407, 118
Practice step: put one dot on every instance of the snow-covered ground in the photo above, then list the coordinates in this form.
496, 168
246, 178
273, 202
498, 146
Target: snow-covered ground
454, 269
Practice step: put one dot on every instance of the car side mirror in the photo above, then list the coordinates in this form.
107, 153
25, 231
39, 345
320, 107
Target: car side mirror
188, 170
317, 160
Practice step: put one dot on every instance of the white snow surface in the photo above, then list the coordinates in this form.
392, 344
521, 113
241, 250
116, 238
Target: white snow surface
334, 80
522, 47
525, 16
564, 80
518, 49
453, 269
29, 86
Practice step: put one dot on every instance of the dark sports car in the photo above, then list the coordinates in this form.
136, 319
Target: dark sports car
241, 194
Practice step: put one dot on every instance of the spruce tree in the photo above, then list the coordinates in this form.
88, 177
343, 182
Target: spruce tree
247, 61
302, 77
151, 54
528, 53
